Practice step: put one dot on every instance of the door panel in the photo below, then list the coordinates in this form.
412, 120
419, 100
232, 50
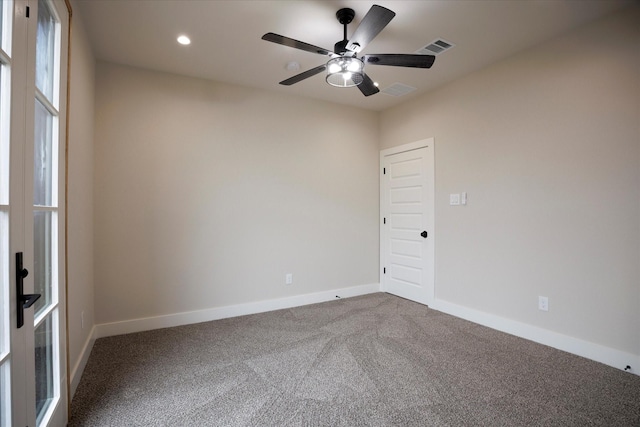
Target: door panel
32, 368
407, 210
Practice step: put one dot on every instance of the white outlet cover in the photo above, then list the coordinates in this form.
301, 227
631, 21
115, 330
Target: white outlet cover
454, 199
543, 303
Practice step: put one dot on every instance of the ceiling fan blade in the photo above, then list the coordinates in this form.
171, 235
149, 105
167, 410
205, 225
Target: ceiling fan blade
373, 22
299, 77
367, 87
277, 38
400, 60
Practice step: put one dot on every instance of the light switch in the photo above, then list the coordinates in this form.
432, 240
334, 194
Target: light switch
454, 199
463, 198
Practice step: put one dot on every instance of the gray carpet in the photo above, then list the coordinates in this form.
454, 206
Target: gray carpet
375, 360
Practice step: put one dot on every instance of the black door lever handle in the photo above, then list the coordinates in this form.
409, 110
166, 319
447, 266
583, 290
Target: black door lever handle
29, 299
24, 300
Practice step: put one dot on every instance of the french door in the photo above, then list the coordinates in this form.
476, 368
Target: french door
33, 89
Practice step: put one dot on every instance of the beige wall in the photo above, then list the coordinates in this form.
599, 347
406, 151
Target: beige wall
547, 146
80, 193
206, 195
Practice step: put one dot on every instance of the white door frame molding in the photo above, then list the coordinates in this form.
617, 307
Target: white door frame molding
430, 278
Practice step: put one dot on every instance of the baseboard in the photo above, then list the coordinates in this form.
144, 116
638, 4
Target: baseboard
186, 318
78, 369
608, 356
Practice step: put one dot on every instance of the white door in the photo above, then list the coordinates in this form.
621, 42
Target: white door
32, 151
407, 230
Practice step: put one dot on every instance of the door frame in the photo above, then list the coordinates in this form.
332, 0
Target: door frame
430, 172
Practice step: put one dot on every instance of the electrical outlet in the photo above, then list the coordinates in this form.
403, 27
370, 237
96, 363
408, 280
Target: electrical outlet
288, 279
543, 303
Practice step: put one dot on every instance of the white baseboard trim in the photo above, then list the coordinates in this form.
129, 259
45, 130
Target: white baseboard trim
78, 368
608, 356
186, 318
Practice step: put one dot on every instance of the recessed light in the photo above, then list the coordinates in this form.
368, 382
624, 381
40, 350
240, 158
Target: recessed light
184, 40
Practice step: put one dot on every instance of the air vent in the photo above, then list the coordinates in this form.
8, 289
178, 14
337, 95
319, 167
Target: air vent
398, 89
436, 47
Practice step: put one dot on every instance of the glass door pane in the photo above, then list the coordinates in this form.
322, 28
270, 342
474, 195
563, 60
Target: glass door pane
45, 369
5, 392
43, 260
45, 210
45, 50
43, 161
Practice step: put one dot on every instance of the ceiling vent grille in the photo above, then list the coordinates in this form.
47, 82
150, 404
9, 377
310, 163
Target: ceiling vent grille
436, 47
398, 89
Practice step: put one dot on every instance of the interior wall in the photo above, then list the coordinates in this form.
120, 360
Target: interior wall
80, 193
547, 146
208, 194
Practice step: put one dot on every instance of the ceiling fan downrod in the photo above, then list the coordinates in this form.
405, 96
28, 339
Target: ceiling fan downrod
345, 16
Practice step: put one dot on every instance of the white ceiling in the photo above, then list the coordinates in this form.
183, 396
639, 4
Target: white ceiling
227, 46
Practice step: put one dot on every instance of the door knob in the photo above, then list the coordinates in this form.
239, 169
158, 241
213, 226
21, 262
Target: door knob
424, 234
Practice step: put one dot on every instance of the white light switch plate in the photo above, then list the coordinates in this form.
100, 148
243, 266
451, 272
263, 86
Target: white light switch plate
454, 199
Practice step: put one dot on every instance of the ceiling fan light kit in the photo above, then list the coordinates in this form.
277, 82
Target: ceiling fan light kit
345, 69
345, 72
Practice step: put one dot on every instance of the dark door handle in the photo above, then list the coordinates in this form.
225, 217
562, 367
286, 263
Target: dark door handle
424, 234
29, 299
24, 300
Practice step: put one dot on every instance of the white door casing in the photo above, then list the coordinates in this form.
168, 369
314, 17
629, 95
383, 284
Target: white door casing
407, 186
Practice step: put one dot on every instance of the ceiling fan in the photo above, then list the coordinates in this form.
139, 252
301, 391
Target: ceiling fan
345, 69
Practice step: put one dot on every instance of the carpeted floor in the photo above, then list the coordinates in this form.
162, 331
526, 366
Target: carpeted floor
375, 360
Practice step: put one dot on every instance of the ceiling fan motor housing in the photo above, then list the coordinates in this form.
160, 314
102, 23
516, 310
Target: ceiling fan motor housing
341, 47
